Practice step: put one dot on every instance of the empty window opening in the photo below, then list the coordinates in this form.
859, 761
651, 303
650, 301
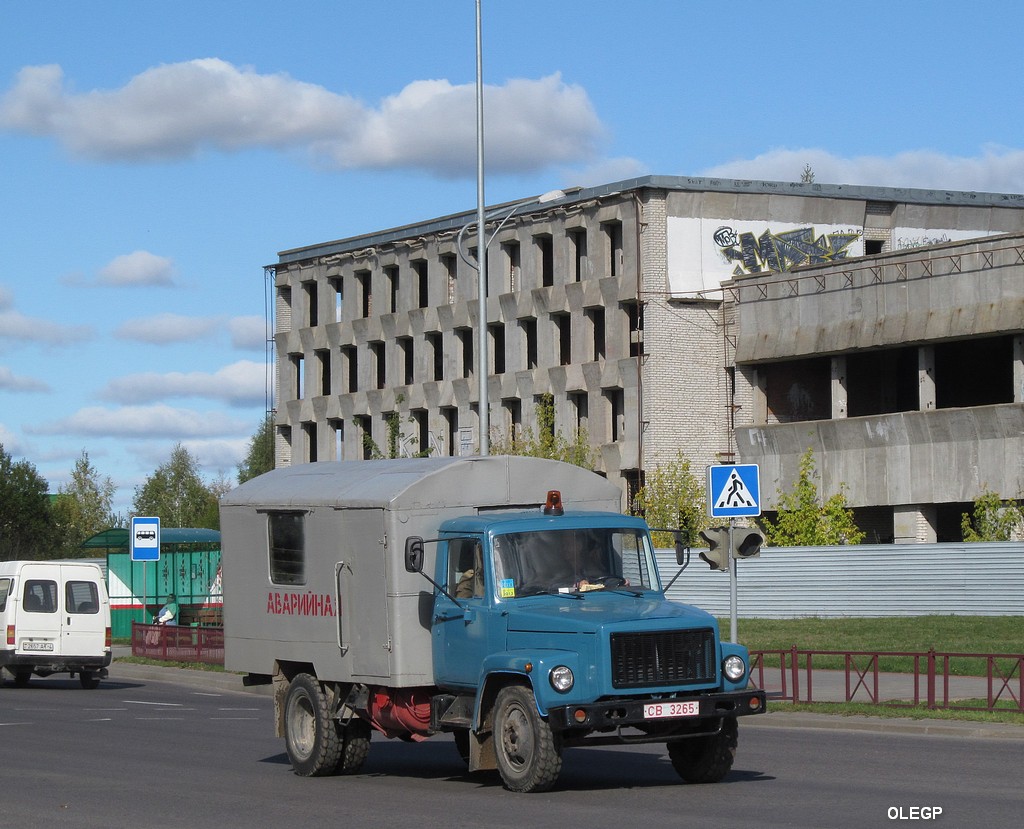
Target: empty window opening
363, 281
419, 267
510, 250
405, 350
529, 327
546, 252
595, 316
309, 432
578, 238
450, 264
435, 341
497, 335
351, 357
312, 315
323, 359
465, 338
380, 363
563, 328
339, 306
613, 247
392, 280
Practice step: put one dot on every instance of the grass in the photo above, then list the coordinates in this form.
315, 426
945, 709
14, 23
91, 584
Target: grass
944, 634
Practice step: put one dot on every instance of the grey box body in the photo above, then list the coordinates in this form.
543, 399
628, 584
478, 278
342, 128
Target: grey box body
358, 515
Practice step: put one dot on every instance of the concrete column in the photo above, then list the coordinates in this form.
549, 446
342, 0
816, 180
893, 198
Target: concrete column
758, 396
1018, 368
926, 378
914, 523
839, 401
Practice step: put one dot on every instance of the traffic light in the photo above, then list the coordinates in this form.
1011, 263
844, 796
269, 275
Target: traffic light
746, 543
717, 539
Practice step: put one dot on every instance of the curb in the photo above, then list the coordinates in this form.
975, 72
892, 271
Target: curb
887, 725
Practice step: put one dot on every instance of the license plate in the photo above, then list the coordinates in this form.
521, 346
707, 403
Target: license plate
663, 710
37, 646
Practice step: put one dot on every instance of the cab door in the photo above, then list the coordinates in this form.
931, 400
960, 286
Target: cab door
38, 625
84, 612
460, 630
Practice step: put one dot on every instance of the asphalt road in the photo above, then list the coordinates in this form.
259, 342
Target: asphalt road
141, 751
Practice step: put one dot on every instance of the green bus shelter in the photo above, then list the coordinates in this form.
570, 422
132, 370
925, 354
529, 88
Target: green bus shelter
189, 567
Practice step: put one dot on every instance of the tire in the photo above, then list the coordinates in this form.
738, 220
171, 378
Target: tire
706, 759
528, 752
355, 745
88, 680
311, 737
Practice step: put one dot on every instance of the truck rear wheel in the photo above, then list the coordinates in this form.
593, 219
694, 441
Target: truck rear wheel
311, 737
355, 745
706, 759
528, 752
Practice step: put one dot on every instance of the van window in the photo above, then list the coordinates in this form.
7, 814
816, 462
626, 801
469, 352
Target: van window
40, 596
81, 597
287, 547
5, 589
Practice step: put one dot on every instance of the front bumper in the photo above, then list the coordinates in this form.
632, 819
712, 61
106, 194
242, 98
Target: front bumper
610, 714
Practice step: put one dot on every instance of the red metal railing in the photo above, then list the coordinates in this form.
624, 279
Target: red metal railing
937, 679
179, 643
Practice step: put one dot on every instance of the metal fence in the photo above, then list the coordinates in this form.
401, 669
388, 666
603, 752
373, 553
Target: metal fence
955, 681
179, 643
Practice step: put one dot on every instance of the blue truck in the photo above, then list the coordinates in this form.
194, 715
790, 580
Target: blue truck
504, 600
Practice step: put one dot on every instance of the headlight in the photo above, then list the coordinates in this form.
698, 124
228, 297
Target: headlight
561, 679
734, 668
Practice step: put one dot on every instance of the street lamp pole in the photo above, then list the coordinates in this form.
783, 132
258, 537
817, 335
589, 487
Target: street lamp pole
481, 247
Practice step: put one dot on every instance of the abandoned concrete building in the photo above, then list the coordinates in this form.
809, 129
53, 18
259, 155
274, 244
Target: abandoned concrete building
730, 321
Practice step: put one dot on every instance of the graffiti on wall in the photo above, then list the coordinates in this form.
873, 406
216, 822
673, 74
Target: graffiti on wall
781, 251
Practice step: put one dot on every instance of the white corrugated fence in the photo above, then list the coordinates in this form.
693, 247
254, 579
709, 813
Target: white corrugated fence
862, 580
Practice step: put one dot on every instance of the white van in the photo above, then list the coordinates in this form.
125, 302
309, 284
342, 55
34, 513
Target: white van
56, 615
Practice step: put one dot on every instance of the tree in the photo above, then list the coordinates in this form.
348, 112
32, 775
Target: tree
993, 519
260, 457
547, 442
84, 506
673, 497
176, 494
27, 527
802, 520
807, 176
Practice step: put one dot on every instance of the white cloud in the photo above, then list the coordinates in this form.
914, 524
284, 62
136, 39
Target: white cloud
994, 170
9, 381
17, 328
239, 384
138, 268
157, 421
248, 333
175, 110
431, 125
168, 328
11, 443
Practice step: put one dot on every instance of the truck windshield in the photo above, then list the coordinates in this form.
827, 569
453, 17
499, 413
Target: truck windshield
573, 560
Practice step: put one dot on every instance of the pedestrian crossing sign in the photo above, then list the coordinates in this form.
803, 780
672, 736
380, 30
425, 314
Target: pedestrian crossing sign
733, 490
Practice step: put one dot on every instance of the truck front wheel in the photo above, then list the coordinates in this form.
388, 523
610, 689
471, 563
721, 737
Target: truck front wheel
706, 759
528, 752
311, 738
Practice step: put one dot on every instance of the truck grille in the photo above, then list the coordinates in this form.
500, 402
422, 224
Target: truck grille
670, 657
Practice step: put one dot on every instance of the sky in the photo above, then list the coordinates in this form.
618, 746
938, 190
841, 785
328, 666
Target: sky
156, 155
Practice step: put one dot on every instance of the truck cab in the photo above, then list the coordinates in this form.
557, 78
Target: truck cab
551, 630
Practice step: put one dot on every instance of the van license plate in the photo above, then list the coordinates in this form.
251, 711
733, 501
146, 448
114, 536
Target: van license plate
663, 710
37, 646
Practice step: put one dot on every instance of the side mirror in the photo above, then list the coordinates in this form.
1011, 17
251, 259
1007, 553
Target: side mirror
414, 554
682, 538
